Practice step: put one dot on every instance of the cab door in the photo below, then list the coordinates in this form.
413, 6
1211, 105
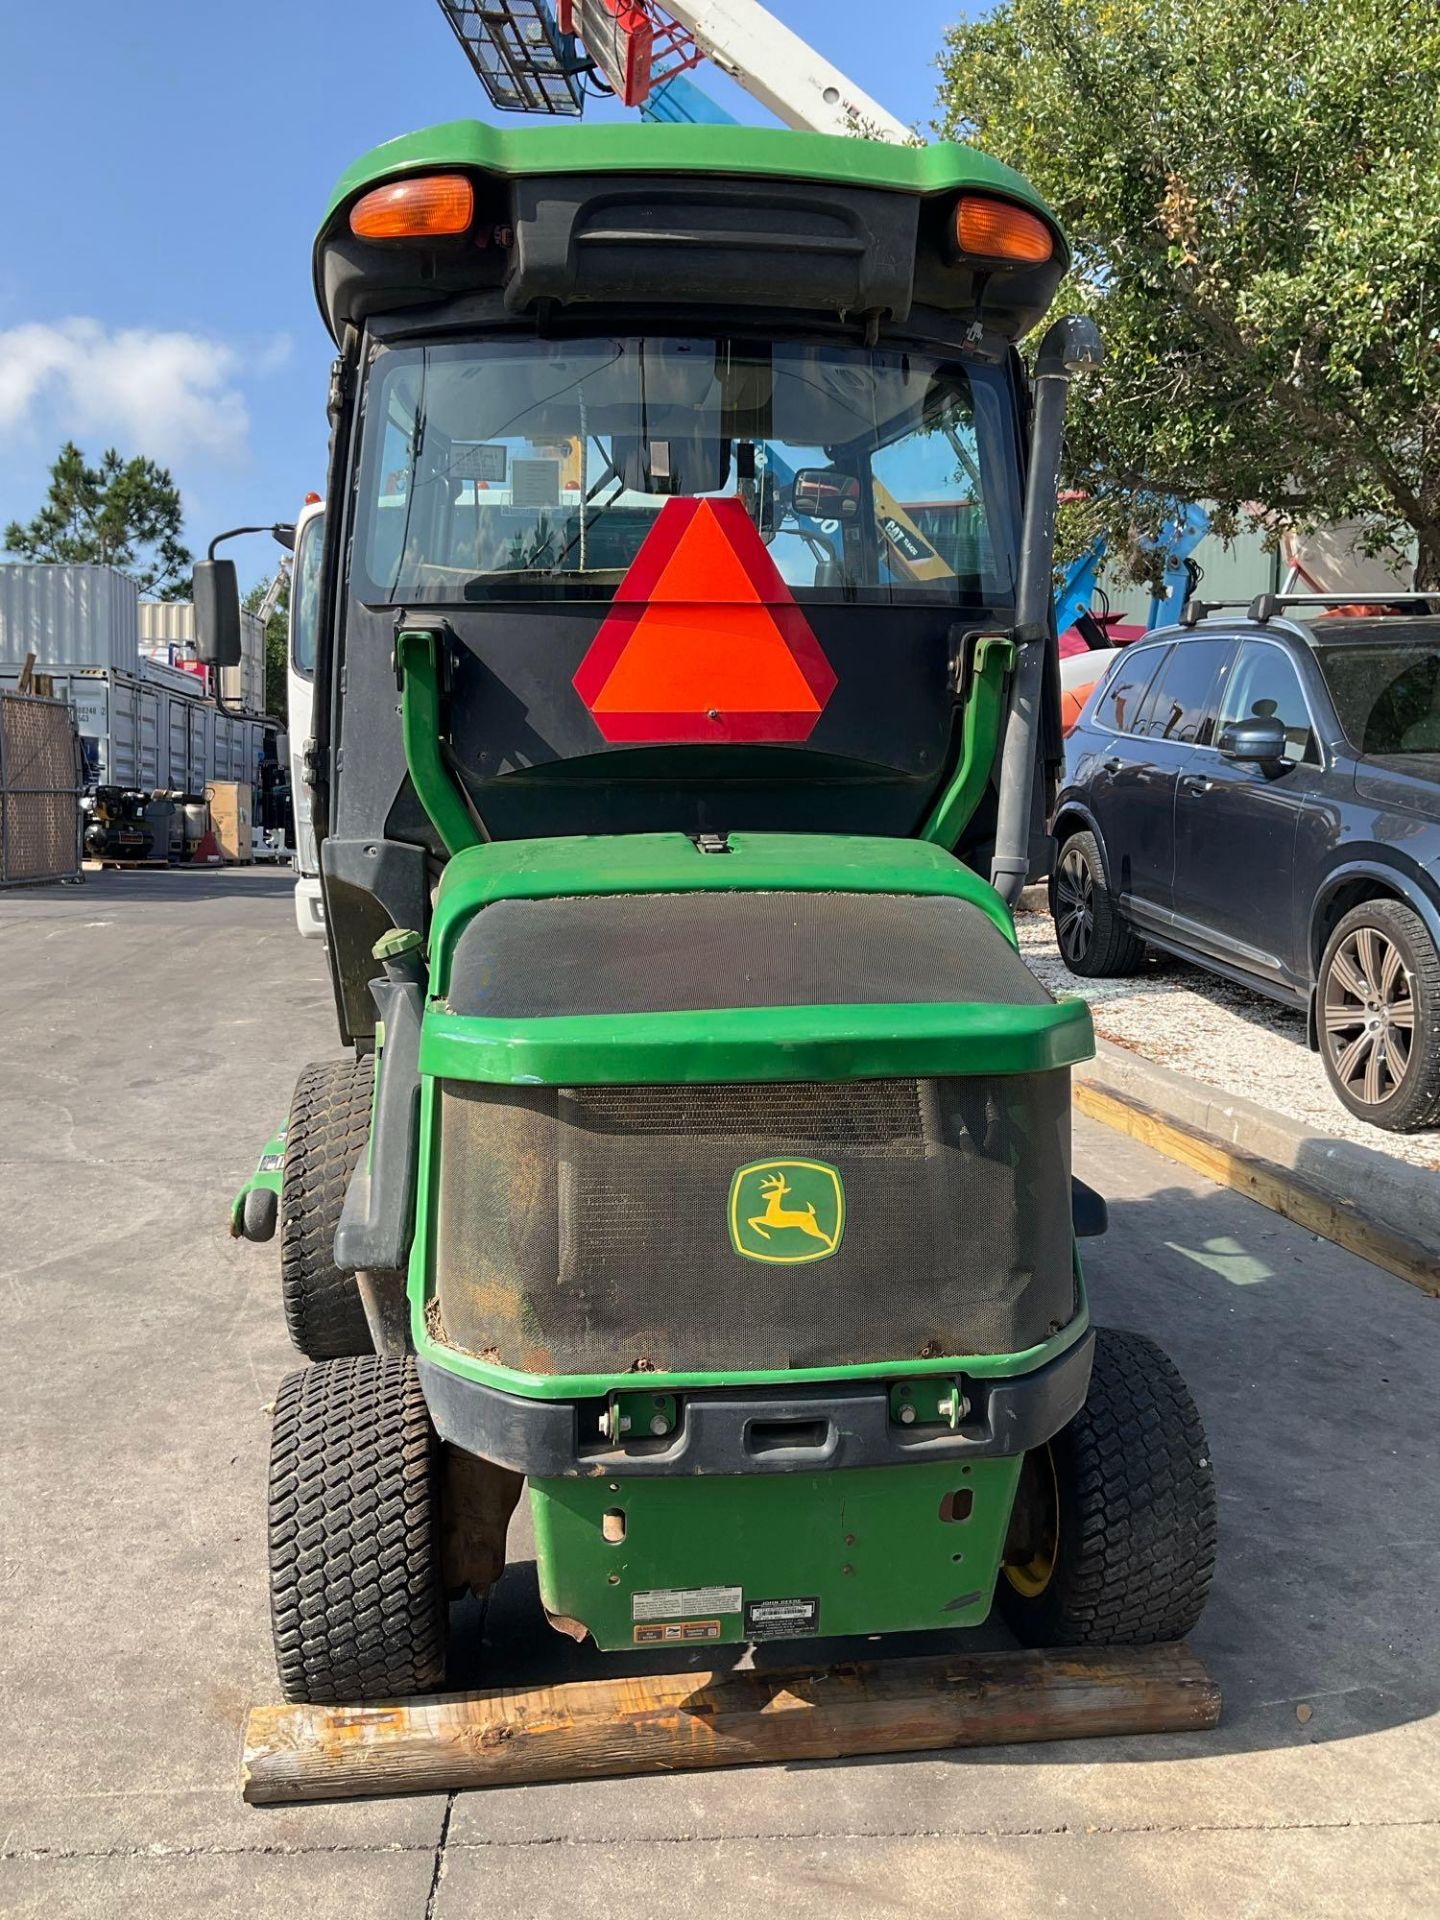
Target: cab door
1236, 824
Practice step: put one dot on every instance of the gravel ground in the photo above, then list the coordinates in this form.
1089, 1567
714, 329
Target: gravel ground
1196, 1024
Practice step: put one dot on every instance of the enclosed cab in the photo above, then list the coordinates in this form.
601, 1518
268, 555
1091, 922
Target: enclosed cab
598, 330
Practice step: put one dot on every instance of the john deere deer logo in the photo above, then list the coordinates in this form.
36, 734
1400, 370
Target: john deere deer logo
786, 1211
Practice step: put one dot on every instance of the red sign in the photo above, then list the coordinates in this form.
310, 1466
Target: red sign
705, 640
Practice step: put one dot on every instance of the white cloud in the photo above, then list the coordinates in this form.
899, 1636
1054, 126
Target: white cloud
275, 353
171, 396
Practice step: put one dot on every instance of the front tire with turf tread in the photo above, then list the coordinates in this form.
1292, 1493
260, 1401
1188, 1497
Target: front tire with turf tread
357, 1606
329, 1130
1138, 1521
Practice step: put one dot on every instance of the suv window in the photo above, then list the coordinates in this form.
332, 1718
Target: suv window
1387, 697
1266, 686
1125, 689
1179, 706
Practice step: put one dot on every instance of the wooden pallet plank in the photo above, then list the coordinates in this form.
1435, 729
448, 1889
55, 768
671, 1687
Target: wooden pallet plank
668, 1723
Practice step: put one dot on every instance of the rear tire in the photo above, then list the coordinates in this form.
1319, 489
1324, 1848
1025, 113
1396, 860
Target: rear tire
1093, 938
329, 1130
1112, 1541
357, 1606
1377, 1007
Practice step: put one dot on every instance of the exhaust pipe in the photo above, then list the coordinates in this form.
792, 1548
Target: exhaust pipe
1070, 347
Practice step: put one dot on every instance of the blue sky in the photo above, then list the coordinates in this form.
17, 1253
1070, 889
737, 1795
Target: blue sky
167, 164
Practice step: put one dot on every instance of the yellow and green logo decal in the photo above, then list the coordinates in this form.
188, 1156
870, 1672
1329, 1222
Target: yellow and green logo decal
786, 1211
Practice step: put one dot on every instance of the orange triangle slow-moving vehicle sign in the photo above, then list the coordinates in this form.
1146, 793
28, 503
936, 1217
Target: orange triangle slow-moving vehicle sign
704, 640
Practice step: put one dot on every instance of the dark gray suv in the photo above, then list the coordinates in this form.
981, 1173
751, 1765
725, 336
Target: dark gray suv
1260, 794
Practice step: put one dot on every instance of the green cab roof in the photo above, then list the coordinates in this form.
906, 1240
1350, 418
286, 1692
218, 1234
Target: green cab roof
641, 147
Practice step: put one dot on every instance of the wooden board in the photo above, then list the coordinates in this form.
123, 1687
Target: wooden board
668, 1723
1279, 1188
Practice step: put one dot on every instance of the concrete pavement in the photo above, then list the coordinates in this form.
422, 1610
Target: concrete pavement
150, 1030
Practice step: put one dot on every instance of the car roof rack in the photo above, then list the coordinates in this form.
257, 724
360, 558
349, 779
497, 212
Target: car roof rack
1194, 611
1265, 606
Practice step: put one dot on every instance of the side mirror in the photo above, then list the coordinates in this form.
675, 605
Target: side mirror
284, 533
216, 593
1262, 741
823, 494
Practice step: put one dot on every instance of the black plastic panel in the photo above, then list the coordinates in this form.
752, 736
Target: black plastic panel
800, 245
668, 952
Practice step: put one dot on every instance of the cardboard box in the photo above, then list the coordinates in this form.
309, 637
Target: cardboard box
230, 819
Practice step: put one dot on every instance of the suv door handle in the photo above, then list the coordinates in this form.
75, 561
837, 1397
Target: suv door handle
1112, 765
1195, 783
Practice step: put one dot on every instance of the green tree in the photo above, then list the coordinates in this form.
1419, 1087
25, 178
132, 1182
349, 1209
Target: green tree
121, 513
1252, 192
277, 642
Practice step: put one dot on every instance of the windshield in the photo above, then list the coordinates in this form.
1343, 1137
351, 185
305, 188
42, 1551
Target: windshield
521, 469
305, 619
1387, 697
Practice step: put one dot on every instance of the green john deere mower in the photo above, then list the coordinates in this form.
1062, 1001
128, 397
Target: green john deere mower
686, 715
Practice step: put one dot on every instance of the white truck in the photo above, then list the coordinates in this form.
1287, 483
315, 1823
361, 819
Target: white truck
300, 693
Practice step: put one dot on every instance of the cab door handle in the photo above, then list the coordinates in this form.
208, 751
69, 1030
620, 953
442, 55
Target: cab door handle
1112, 765
1195, 783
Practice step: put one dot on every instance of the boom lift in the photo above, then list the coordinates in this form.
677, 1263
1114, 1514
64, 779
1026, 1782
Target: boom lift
532, 58
700, 1161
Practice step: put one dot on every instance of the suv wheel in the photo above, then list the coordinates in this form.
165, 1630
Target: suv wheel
1092, 937
1378, 1012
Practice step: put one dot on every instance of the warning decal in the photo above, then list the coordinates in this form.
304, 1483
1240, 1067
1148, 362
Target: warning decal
672, 1633
782, 1619
684, 1603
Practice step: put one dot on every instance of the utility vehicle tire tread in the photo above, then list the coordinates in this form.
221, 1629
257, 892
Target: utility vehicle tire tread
329, 1129
356, 1602
1138, 1514
1417, 1102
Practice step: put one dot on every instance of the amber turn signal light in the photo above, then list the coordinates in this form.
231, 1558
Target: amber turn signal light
997, 230
431, 206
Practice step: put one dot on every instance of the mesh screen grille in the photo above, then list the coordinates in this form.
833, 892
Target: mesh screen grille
587, 1230
859, 1113
672, 952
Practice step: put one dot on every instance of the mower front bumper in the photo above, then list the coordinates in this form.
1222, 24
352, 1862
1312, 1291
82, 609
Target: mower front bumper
823, 1427
779, 1513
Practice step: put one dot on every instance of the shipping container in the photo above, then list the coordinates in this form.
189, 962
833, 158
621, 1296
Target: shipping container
171, 623
153, 729
68, 617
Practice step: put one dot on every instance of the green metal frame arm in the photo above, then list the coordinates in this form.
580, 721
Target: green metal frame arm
980, 735
417, 666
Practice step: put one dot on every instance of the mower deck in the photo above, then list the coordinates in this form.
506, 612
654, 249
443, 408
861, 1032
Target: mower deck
676, 1722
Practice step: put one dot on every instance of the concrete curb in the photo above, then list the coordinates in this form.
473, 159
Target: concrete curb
1382, 1208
